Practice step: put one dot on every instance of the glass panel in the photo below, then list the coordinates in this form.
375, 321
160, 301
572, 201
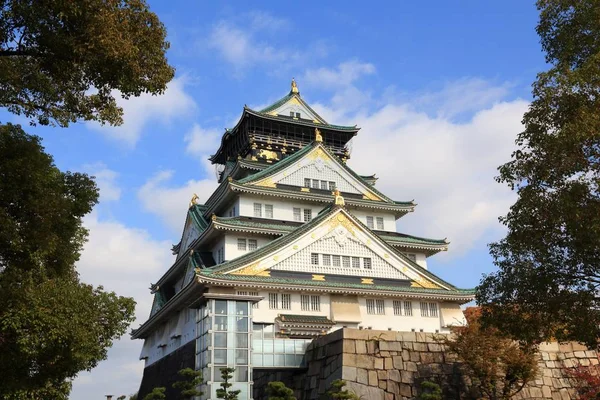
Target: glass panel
241, 374
257, 360
220, 323
257, 330
268, 346
290, 360
220, 357
241, 340
221, 307
299, 346
217, 374
241, 324
268, 331
279, 360
279, 343
241, 307
241, 357
257, 346
220, 339
289, 346
267, 360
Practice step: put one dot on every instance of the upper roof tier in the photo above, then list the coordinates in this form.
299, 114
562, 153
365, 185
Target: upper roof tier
281, 129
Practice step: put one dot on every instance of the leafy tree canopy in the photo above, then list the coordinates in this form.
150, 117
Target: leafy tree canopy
158, 393
51, 325
338, 391
225, 392
188, 385
61, 61
548, 281
278, 391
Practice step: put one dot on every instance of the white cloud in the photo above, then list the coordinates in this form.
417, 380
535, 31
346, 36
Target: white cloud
343, 75
202, 141
106, 180
140, 111
170, 202
419, 152
124, 260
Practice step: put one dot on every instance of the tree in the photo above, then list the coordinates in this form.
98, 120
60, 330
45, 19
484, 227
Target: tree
497, 367
188, 386
339, 392
52, 326
61, 61
223, 392
586, 380
548, 281
158, 393
278, 391
430, 391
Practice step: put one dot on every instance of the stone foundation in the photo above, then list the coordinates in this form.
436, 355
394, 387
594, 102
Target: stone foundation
164, 372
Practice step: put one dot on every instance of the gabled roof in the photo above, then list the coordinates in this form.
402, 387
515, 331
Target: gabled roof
224, 270
290, 97
286, 162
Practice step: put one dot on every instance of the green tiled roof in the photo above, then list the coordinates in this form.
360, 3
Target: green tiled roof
196, 212
288, 97
248, 258
350, 129
305, 319
403, 237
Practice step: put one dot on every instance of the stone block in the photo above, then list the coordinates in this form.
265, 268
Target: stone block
564, 394
556, 396
585, 362
371, 347
364, 361
349, 360
349, 347
349, 373
565, 347
579, 354
382, 384
394, 375
385, 353
393, 387
398, 363
410, 366
568, 363
387, 363
414, 356
420, 346
406, 336
426, 358
389, 396
407, 346
547, 381
405, 390
550, 364
546, 391
545, 356
434, 347
378, 363
362, 376
553, 356
535, 392
382, 375
372, 378
594, 361
591, 354
406, 354
406, 377
579, 347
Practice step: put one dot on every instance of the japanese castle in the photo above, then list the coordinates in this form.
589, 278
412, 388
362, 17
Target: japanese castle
292, 244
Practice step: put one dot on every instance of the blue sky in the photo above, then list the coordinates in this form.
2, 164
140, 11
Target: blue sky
439, 89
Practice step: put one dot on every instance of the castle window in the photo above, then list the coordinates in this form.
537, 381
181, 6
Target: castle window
336, 261
376, 307
257, 210
291, 113
242, 244
286, 301
297, 214
306, 182
429, 310
252, 245
355, 262
346, 261
268, 210
326, 260
380, 223
314, 259
332, 186
315, 303
315, 183
433, 310
273, 301
408, 308
307, 214
305, 302
413, 257
324, 185
367, 263
403, 308
297, 115
370, 222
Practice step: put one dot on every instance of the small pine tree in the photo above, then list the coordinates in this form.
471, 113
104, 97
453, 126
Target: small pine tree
224, 392
188, 385
158, 393
338, 392
123, 397
430, 391
278, 391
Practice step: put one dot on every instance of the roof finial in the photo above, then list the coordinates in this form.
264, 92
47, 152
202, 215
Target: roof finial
194, 200
294, 87
339, 200
318, 137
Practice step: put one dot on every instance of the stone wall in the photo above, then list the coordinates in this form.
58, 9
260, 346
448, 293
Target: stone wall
164, 372
384, 365
294, 378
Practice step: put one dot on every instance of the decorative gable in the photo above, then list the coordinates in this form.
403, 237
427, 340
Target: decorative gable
296, 108
318, 168
338, 235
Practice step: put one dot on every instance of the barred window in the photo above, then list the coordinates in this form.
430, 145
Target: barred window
355, 262
252, 244
257, 210
380, 223
346, 261
433, 310
370, 222
403, 308
336, 261
397, 307
286, 301
324, 185
413, 257
242, 244
273, 301
370, 306
315, 183
326, 260
314, 258
307, 214
408, 308
307, 182
424, 309
332, 186
367, 263
268, 210
315, 303
297, 214
254, 305
380, 306
305, 302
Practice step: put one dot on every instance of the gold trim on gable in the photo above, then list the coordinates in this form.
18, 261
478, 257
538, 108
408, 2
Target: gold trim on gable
366, 281
370, 196
424, 283
318, 278
267, 182
253, 269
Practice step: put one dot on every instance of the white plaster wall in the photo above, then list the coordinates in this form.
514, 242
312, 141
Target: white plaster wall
265, 315
216, 247
231, 244
389, 221
399, 322
186, 328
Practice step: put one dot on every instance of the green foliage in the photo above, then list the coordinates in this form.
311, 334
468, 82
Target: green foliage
123, 397
51, 325
223, 392
430, 391
61, 61
278, 391
158, 393
549, 275
337, 391
188, 385
497, 366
